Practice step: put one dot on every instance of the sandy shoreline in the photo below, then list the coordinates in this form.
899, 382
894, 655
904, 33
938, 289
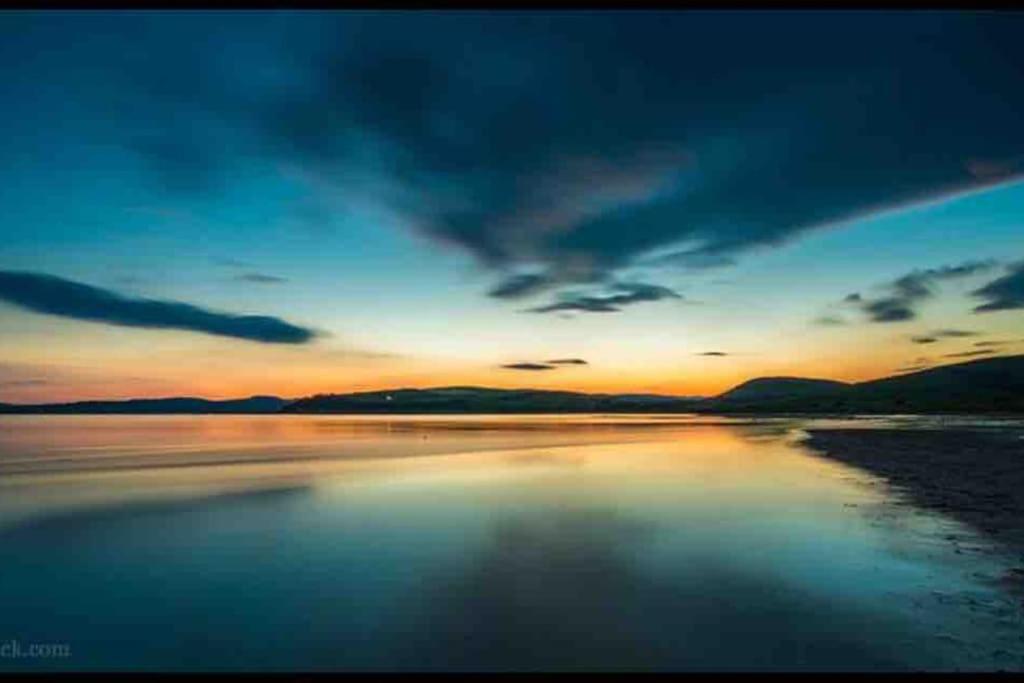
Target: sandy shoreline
973, 475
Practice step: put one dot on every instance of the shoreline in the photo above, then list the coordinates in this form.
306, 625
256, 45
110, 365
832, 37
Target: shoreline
973, 475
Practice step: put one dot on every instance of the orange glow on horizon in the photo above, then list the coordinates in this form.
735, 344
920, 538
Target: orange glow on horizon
245, 381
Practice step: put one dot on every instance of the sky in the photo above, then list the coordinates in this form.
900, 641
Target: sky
233, 203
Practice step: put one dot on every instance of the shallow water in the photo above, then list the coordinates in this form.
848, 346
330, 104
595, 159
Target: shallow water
552, 542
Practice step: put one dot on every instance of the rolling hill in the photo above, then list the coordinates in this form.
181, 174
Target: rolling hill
153, 406
447, 400
991, 385
770, 388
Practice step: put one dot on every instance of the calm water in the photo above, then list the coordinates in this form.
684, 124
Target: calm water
302, 542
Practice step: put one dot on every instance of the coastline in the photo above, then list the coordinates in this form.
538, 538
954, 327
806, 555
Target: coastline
974, 475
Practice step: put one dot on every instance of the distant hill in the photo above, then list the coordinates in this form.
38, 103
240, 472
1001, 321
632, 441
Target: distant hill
991, 385
987, 385
766, 388
484, 400
180, 405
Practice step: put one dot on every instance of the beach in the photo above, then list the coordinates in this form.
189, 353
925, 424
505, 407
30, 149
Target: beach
975, 475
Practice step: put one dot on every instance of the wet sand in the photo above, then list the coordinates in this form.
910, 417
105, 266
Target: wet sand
973, 475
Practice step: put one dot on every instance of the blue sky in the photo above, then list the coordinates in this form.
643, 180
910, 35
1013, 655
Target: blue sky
409, 189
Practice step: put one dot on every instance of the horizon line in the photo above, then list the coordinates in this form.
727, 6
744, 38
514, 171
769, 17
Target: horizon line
464, 386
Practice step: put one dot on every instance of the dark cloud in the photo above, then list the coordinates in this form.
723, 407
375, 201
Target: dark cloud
852, 298
517, 286
1004, 293
24, 383
970, 354
712, 353
989, 344
889, 310
56, 296
988, 168
629, 293
528, 366
693, 260
584, 304
554, 364
262, 278
905, 293
937, 335
579, 144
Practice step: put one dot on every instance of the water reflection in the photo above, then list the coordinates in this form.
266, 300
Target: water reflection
566, 591
369, 543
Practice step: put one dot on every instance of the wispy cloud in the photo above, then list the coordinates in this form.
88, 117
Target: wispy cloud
913, 368
919, 363
518, 286
24, 382
970, 354
554, 364
906, 293
529, 366
1004, 293
51, 295
712, 353
937, 335
629, 293
261, 278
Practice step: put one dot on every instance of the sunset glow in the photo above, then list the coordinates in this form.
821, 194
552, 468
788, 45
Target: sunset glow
398, 216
